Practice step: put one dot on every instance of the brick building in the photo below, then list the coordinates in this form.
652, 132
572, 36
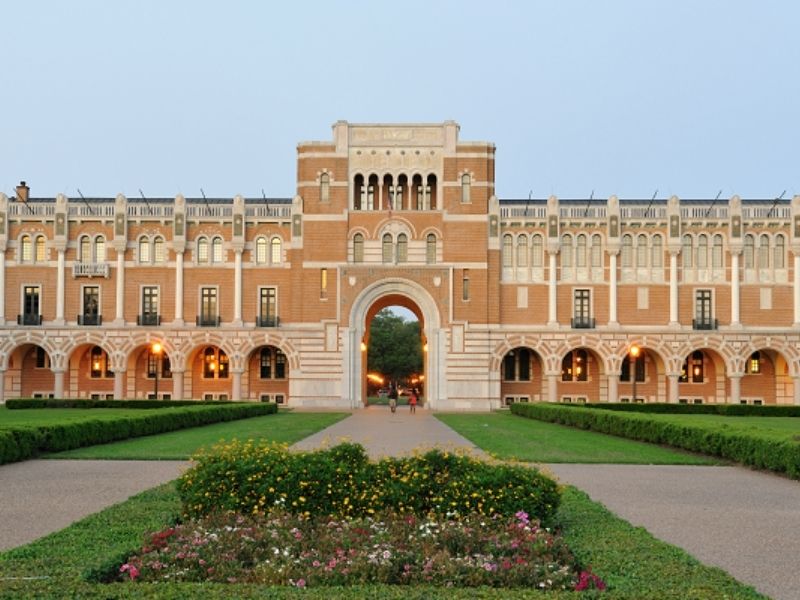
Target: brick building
518, 300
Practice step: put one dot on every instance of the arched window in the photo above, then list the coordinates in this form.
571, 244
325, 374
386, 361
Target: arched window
641, 251
324, 187
26, 248
275, 251
657, 252
692, 370
100, 248
537, 253
749, 251
508, 251
597, 250
358, 248
686, 251
754, 364
215, 363
86, 249
430, 249
40, 249
216, 250
522, 251
466, 182
402, 248
575, 366
566, 251
387, 248
779, 259
202, 250
702, 251
261, 250
158, 251
144, 250
359, 192
716, 252
98, 362
763, 251
524, 370
627, 251
580, 258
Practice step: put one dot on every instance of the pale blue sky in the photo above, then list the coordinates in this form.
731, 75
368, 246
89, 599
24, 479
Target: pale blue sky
687, 97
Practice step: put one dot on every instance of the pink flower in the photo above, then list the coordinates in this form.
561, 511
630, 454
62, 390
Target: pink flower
301, 583
130, 569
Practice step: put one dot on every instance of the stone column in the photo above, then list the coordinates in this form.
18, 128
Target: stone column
179, 288
119, 385
735, 289
177, 385
673, 288
612, 294
58, 387
797, 290
736, 388
552, 297
60, 288
552, 387
3, 387
237, 289
796, 390
672, 387
613, 387
120, 299
236, 391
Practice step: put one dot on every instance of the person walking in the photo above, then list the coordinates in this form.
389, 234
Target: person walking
412, 401
393, 398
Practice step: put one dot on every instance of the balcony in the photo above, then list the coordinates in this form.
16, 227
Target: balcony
207, 321
29, 319
90, 269
90, 320
148, 319
706, 323
582, 322
268, 321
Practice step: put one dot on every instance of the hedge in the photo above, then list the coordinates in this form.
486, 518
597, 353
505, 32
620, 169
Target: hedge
24, 442
761, 453
24, 403
725, 410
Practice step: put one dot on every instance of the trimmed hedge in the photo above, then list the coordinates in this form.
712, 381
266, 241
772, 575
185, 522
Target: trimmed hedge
24, 403
21, 443
341, 481
761, 453
725, 410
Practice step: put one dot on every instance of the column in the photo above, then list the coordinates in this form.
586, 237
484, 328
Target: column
60, 289
3, 386
673, 288
552, 314
2, 289
613, 387
119, 385
736, 388
236, 392
552, 387
58, 388
796, 385
797, 289
612, 295
120, 316
380, 195
179, 288
735, 289
237, 288
672, 387
177, 385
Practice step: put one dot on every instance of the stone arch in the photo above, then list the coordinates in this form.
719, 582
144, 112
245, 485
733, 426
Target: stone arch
255, 342
394, 225
534, 342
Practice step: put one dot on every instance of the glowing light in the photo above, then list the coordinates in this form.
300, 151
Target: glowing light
363, 347
97, 365
425, 347
375, 378
156, 348
634, 351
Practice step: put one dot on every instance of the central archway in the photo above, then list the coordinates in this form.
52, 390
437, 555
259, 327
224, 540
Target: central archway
392, 292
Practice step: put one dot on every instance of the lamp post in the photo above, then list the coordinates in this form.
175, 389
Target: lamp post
634, 355
155, 349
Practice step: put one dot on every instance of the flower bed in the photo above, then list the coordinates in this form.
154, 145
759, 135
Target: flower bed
285, 549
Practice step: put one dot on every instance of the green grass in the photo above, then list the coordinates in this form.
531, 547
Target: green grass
286, 427
774, 428
57, 416
508, 436
630, 560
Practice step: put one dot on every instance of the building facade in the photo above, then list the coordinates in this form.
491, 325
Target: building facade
518, 300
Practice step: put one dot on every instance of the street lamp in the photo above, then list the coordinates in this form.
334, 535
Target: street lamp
155, 350
634, 356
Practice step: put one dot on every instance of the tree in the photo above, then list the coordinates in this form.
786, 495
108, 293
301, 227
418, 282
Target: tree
395, 348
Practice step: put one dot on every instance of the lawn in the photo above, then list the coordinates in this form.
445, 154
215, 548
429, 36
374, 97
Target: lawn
59, 416
286, 427
775, 428
508, 436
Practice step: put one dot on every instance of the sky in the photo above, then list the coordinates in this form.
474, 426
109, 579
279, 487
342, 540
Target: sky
581, 97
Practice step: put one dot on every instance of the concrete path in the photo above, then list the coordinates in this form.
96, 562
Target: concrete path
745, 522
38, 497
384, 433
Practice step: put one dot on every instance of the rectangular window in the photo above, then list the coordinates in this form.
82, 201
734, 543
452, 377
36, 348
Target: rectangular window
702, 306
280, 365
149, 305
266, 363
323, 283
91, 305
42, 361
208, 306
465, 286
30, 305
267, 307
582, 308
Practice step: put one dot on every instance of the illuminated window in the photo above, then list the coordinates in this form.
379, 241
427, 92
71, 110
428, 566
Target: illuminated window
261, 250
216, 250
575, 366
692, 368
158, 250
26, 248
215, 363
754, 364
40, 249
202, 250
275, 251
86, 249
144, 250
100, 249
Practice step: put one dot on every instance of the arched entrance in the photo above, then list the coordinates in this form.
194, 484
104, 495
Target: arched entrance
268, 375
521, 376
392, 292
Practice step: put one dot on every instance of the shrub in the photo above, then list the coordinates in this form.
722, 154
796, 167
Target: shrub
21, 443
761, 453
340, 481
25, 403
728, 410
